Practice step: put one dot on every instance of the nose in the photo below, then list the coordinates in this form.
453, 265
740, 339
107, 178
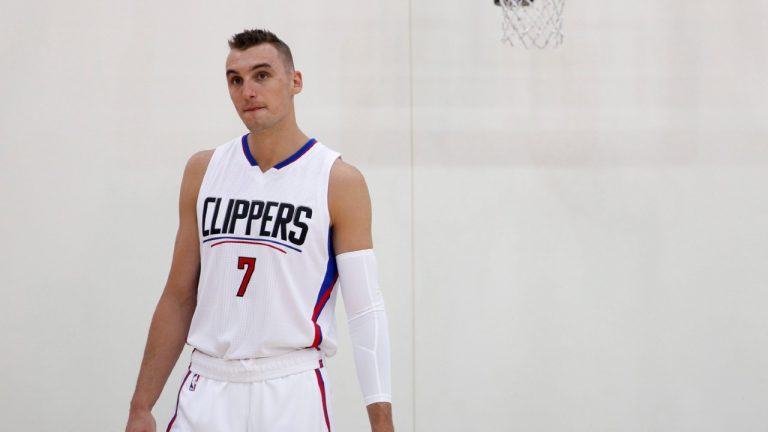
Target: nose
249, 89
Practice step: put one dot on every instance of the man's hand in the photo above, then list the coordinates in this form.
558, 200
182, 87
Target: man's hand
380, 415
141, 421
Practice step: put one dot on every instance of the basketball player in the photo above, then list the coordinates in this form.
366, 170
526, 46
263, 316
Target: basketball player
269, 221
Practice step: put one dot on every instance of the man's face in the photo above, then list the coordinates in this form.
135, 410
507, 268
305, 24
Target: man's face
261, 85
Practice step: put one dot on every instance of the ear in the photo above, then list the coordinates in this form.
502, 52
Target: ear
298, 83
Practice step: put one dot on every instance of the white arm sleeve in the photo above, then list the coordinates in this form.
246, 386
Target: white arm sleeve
368, 326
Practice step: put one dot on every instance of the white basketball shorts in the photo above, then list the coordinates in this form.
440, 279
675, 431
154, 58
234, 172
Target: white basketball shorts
287, 393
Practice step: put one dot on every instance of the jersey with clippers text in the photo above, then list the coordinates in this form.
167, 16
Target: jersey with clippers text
267, 266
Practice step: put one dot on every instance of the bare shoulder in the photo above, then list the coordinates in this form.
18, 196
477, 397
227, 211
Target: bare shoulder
346, 185
194, 172
344, 174
347, 191
350, 208
198, 162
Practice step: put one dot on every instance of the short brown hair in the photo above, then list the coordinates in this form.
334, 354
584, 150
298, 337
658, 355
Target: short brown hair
250, 38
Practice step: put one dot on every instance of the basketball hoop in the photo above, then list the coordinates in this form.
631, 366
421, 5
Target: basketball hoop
532, 23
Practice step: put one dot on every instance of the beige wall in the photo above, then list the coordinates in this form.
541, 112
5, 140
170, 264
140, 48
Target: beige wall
569, 240
590, 229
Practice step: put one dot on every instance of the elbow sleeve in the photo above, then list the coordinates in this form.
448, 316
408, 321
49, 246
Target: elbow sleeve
368, 324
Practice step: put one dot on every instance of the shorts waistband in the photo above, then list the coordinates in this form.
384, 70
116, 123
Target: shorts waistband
255, 369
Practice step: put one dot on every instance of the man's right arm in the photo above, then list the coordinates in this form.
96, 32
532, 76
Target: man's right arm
173, 314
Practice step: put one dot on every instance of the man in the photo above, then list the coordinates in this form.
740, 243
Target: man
267, 223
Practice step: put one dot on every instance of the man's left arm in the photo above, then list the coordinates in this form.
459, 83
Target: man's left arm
350, 208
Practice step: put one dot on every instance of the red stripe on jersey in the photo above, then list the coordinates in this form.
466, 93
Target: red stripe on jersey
248, 242
319, 308
316, 340
324, 299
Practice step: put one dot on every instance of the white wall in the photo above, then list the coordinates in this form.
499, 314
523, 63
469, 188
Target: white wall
102, 105
588, 222
590, 231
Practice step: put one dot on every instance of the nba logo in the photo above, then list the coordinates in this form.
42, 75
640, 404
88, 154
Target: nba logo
193, 383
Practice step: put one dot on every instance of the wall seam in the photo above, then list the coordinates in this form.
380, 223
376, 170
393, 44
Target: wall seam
413, 213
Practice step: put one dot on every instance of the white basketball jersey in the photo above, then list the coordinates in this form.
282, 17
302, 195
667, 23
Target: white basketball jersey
268, 270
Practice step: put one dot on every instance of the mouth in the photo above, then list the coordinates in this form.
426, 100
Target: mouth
252, 109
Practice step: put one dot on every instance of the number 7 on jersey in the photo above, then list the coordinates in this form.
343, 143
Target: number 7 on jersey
241, 263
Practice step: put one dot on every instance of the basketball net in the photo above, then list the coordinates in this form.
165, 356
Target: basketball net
532, 23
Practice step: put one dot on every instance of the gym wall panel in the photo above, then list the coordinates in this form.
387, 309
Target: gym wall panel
103, 103
589, 223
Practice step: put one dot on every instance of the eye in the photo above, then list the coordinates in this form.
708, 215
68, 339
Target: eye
262, 75
235, 81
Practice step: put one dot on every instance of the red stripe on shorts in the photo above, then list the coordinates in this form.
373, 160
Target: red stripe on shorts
321, 383
173, 419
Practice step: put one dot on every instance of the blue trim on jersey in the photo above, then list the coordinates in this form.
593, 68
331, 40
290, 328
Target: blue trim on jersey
247, 151
328, 282
291, 159
254, 239
297, 155
330, 271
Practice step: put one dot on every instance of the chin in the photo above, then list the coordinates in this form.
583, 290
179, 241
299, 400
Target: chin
256, 126
258, 123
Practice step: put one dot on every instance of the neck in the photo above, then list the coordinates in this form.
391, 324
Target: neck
273, 145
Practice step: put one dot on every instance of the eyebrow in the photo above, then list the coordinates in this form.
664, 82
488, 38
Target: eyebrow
256, 66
